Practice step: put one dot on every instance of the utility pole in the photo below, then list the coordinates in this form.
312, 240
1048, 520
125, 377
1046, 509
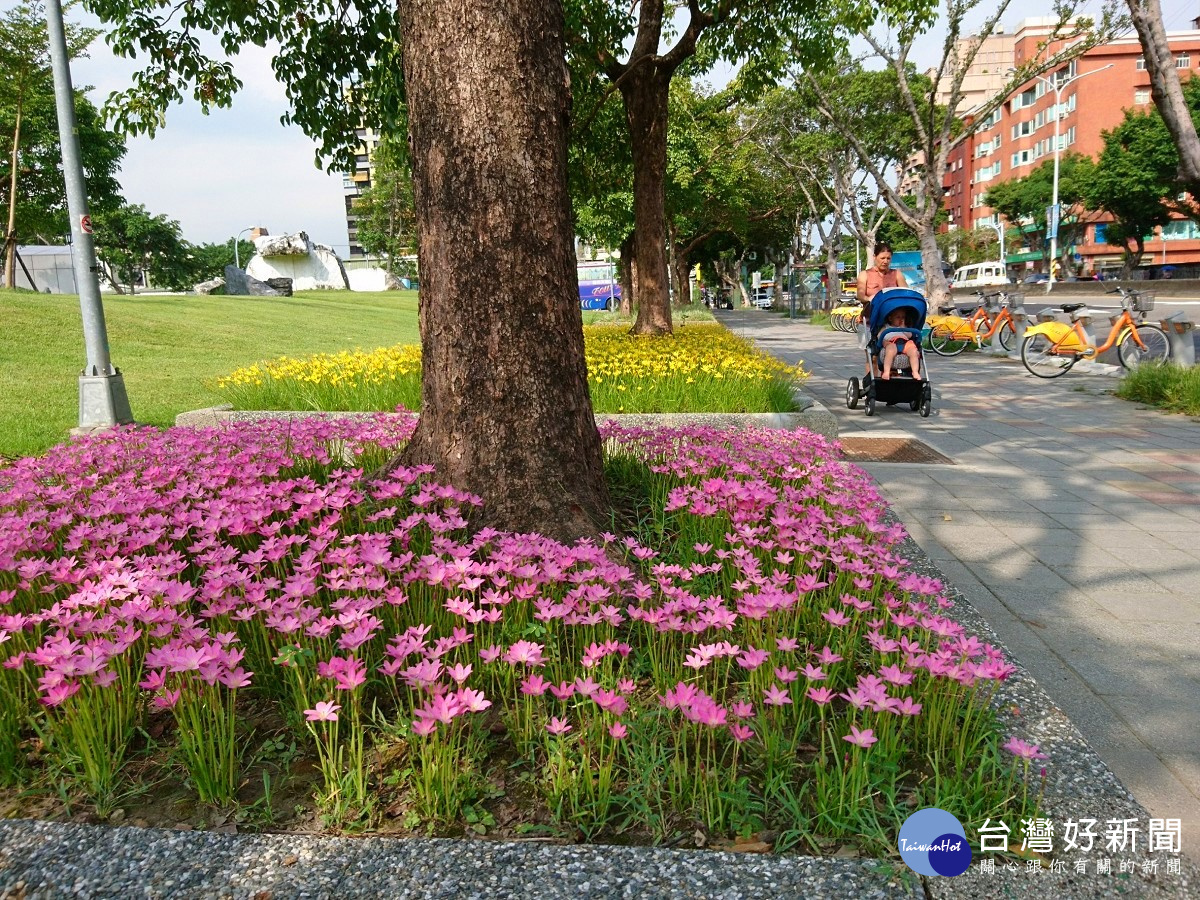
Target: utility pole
1054, 213
102, 399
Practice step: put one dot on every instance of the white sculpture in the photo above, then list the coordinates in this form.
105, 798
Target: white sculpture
310, 266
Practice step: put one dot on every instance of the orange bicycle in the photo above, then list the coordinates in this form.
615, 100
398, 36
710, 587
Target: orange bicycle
1051, 349
950, 335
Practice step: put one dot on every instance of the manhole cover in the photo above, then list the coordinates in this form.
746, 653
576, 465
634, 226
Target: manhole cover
892, 450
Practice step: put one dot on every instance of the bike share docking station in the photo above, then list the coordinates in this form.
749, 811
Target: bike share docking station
1180, 338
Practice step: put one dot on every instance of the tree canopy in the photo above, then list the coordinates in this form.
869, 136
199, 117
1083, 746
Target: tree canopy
33, 205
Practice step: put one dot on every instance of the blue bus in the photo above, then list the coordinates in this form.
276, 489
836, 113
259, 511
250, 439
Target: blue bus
598, 285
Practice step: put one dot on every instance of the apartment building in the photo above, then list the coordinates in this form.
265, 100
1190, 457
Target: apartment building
1088, 95
354, 184
983, 79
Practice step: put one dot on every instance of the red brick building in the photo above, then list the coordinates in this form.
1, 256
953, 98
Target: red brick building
1094, 92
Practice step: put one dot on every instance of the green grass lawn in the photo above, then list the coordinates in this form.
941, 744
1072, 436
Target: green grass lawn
168, 347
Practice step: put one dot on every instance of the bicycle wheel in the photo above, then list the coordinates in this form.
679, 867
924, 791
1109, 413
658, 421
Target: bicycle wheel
1157, 348
1037, 353
946, 339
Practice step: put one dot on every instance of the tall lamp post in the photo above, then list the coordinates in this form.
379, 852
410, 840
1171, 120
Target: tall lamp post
236, 261
1053, 218
1000, 231
103, 402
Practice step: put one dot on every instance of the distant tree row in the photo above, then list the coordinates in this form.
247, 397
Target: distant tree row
135, 247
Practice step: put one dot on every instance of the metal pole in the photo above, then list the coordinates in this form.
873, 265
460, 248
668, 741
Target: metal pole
237, 264
1057, 153
1054, 195
102, 399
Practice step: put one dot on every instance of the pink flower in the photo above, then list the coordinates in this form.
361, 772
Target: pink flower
751, 659
827, 657
472, 700
490, 654
907, 707
617, 730
1023, 750
820, 695
814, 673
558, 726
626, 685
776, 696
534, 686
835, 617
786, 644
525, 653
424, 727
786, 675
864, 738
563, 691
324, 711
442, 708
459, 672
895, 675
743, 709
741, 733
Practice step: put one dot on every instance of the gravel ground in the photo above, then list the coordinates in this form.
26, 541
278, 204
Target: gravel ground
51, 860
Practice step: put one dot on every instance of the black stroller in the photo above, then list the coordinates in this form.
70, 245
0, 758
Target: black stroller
901, 387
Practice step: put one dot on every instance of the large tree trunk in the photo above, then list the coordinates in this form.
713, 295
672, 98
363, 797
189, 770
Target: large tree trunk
1165, 88
645, 92
505, 408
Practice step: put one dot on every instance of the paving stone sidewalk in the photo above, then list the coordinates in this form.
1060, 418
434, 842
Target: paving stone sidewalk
1071, 520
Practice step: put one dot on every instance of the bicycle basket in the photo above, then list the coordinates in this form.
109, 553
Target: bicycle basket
1142, 302
1015, 300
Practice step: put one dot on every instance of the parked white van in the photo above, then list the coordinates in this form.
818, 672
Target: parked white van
980, 275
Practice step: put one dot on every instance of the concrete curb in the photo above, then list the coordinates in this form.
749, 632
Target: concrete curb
812, 415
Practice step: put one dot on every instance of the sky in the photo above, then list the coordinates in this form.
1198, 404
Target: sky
239, 167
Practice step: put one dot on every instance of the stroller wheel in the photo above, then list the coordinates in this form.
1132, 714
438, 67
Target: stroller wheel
915, 404
869, 406
926, 401
853, 392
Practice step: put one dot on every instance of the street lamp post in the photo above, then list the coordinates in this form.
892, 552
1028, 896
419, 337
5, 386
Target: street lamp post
236, 261
103, 402
1053, 220
1000, 232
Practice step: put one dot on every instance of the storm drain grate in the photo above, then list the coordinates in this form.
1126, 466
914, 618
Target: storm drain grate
891, 450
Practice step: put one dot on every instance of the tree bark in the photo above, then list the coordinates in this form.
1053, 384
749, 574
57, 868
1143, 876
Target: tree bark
645, 93
505, 407
937, 291
1165, 88
680, 272
628, 276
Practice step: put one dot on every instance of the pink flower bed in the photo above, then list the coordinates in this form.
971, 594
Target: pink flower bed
755, 655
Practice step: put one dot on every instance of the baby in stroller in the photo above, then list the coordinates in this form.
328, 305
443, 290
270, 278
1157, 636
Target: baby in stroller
896, 370
893, 341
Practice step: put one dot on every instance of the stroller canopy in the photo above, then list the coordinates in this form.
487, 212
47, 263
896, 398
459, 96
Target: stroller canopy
886, 302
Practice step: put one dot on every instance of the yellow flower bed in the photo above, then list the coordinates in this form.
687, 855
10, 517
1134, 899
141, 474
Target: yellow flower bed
701, 368
348, 367
709, 350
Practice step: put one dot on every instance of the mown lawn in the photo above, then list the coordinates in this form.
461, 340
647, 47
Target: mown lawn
169, 347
